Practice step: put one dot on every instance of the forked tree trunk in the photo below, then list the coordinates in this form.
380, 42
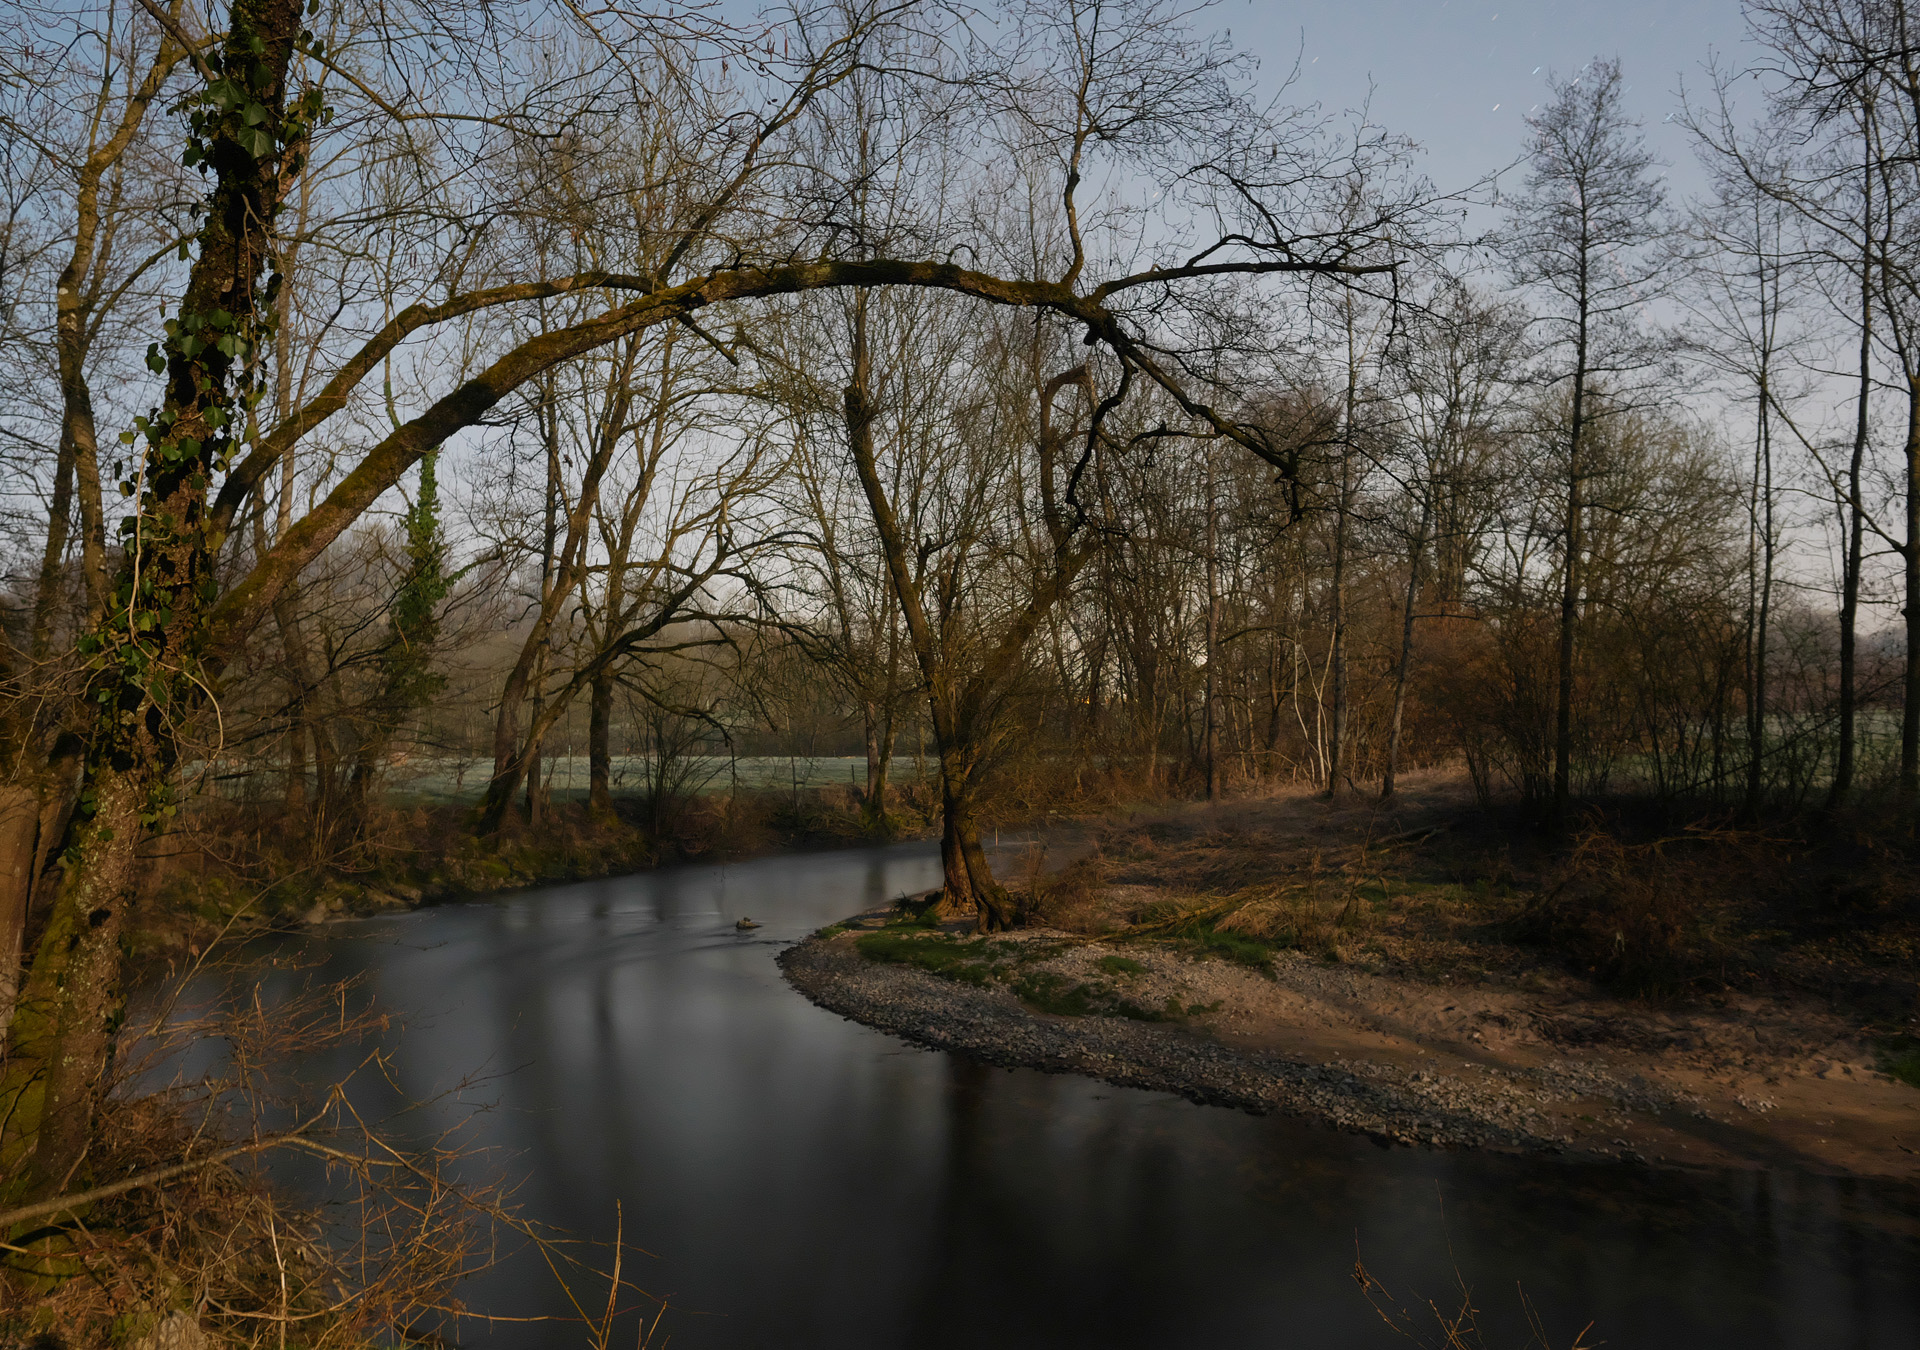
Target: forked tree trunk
966, 876
879, 743
968, 880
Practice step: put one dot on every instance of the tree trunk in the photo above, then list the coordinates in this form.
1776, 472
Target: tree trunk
880, 735
59, 514
967, 878
62, 1027
1763, 608
1406, 647
600, 747
536, 788
303, 725
19, 837
1213, 639
1910, 559
1573, 530
1854, 520
147, 680
1337, 656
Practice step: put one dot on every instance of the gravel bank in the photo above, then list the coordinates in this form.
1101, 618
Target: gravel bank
1452, 1106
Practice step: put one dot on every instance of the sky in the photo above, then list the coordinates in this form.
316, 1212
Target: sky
1459, 76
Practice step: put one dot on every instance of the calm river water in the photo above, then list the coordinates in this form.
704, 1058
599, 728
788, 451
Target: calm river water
799, 1180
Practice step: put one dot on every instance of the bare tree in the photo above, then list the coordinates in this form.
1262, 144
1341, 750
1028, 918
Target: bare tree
1457, 376
1581, 237
1166, 105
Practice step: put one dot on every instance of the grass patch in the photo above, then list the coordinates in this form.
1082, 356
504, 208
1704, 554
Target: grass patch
1235, 947
920, 922
982, 961
1056, 994
832, 930
1899, 1057
1047, 992
941, 953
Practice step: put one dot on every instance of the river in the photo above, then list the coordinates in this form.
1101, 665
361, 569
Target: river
798, 1180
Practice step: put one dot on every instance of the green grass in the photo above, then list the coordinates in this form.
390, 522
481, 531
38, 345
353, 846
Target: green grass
1235, 947
922, 919
941, 953
983, 961
1047, 992
832, 930
1899, 1056
1056, 994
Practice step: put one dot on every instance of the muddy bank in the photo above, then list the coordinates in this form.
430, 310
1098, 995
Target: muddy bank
1346, 1047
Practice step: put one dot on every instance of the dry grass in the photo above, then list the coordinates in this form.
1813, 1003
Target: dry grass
182, 1211
1440, 890
1455, 1324
206, 1231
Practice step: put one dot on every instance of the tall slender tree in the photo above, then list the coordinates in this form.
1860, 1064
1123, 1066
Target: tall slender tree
1583, 239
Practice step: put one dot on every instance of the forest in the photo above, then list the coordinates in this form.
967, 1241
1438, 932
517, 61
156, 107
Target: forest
443, 443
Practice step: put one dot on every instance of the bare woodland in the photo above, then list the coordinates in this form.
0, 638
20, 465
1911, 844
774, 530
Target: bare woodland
1030, 402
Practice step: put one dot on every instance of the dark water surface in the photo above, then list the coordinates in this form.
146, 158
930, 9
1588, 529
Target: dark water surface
802, 1181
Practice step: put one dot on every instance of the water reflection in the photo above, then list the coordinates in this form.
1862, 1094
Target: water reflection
802, 1181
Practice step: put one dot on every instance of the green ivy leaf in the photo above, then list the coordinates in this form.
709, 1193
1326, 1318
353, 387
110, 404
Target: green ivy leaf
254, 141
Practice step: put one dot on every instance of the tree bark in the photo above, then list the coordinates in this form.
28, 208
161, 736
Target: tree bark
600, 746
154, 645
54, 555
1854, 515
1337, 769
1910, 561
968, 880
1213, 639
879, 745
19, 838
1405, 664
1573, 529
1763, 605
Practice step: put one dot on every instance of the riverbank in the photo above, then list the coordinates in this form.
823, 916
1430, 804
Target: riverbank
1384, 1004
234, 876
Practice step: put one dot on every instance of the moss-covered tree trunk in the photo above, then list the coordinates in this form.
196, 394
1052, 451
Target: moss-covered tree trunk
19, 837
148, 680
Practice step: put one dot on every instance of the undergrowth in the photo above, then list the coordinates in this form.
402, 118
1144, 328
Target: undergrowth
1899, 1057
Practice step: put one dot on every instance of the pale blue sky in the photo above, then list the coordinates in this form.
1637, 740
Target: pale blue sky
1459, 75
